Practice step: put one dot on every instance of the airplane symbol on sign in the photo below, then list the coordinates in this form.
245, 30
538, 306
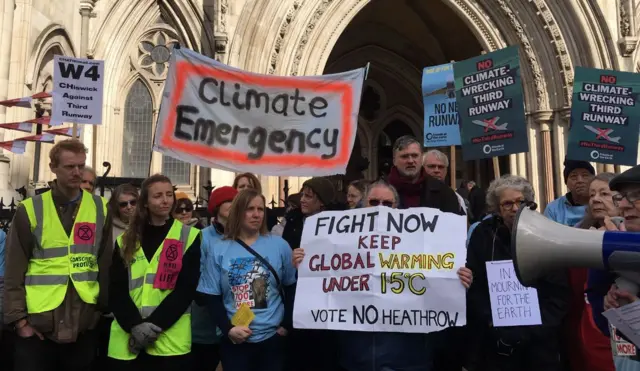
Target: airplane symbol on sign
490, 124
603, 134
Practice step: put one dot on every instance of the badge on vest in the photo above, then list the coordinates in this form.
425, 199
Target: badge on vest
84, 233
169, 266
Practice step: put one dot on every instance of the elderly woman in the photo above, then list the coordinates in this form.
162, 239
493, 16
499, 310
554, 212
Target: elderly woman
587, 347
519, 348
386, 350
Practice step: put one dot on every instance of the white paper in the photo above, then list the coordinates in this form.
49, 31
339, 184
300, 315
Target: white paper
78, 88
356, 250
627, 320
512, 304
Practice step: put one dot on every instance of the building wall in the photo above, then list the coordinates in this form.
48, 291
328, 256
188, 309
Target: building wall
296, 37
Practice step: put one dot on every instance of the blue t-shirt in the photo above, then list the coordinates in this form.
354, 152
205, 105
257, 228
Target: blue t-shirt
3, 239
234, 273
561, 211
203, 328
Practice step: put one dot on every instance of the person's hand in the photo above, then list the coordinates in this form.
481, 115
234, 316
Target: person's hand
239, 334
298, 255
282, 331
610, 226
145, 333
466, 277
611, 299
24, 330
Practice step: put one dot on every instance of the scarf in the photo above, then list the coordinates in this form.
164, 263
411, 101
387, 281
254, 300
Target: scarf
409, 191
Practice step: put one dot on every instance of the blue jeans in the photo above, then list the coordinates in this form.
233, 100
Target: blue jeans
267, 355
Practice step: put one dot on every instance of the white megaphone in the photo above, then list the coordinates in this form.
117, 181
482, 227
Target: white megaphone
539, 245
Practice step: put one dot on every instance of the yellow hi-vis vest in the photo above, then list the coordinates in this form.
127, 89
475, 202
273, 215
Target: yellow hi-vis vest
173, 341
57, 256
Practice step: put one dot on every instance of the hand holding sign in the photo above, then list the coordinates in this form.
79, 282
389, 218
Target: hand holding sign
239, 334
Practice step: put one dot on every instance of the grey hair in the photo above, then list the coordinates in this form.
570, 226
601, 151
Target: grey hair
604, 177
508, 181
90, 170
404, 142
384, 184
439, 155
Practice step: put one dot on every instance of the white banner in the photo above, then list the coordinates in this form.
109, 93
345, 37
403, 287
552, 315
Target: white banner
77, 91
382, 270
216, 116
512, 304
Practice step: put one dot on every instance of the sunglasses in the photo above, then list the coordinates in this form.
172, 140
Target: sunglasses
127, 203
184, 210
374, 202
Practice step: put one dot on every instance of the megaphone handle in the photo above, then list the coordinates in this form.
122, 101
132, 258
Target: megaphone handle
628, 286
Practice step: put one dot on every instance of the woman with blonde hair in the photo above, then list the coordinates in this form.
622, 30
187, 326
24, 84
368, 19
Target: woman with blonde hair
250, 269
154, 275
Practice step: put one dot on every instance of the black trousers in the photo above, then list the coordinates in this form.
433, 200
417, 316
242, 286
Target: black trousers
267, 355
205, 357
103, 331
33, 354
145, 362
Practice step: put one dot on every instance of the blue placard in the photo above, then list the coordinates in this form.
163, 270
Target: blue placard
440, 107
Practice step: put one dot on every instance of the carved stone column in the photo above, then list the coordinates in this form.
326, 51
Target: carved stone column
6, 36
544, 120
628, 38
89, 132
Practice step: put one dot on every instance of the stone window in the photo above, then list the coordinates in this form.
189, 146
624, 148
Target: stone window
138, 131
155, 52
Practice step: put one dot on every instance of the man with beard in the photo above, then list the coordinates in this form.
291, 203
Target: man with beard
570, 208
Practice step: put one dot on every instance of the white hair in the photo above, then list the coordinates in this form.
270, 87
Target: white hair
437, 154
381, 183
508, 181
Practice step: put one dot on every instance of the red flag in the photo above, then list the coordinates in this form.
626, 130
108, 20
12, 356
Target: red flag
27, 125
43, 138
67, 132
24, 102
15, 146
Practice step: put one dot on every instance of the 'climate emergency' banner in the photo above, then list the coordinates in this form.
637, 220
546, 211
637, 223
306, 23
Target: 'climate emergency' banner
382, 270
221, 117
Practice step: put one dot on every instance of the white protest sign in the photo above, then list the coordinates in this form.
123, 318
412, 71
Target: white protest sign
221, 117
512, 304
382, 270
627, 320
78, 88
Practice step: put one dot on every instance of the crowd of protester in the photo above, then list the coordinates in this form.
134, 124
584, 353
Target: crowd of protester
140, 282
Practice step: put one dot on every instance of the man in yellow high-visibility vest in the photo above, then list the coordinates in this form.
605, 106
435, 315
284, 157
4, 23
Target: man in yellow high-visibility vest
57, 253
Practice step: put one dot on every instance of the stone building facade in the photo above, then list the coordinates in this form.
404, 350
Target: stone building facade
307, 37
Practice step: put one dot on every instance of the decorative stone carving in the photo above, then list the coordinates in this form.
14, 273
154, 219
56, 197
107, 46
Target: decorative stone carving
558, 42
471, 13
317, 14
282, 32
542, 101
220, 36
155, 52
625, 20
628, 41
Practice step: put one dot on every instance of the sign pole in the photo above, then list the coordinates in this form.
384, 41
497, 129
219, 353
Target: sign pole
452, 156
74, 131
496, 163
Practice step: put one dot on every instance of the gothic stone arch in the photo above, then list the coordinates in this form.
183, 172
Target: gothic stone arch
296, 37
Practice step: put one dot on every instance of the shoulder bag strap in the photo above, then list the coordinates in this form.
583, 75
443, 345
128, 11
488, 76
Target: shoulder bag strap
266, 264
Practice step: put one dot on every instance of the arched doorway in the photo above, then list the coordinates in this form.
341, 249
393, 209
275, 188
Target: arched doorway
399, 38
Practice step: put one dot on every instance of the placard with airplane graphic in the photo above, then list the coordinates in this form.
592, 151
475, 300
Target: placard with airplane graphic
605, 118
440, 107
490, 105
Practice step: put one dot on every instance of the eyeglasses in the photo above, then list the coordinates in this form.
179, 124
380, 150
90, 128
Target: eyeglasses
508, 205
181, 210
632, 197
127, 203
374, 202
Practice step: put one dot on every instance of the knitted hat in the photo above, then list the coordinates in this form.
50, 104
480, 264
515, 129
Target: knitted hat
323, 188
181, 195
220, 196
571, 165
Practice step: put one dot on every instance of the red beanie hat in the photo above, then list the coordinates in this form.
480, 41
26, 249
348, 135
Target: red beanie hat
220, 196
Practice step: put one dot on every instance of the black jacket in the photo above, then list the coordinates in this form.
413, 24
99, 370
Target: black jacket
477, 204
436, 194
534, 347
292, 232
